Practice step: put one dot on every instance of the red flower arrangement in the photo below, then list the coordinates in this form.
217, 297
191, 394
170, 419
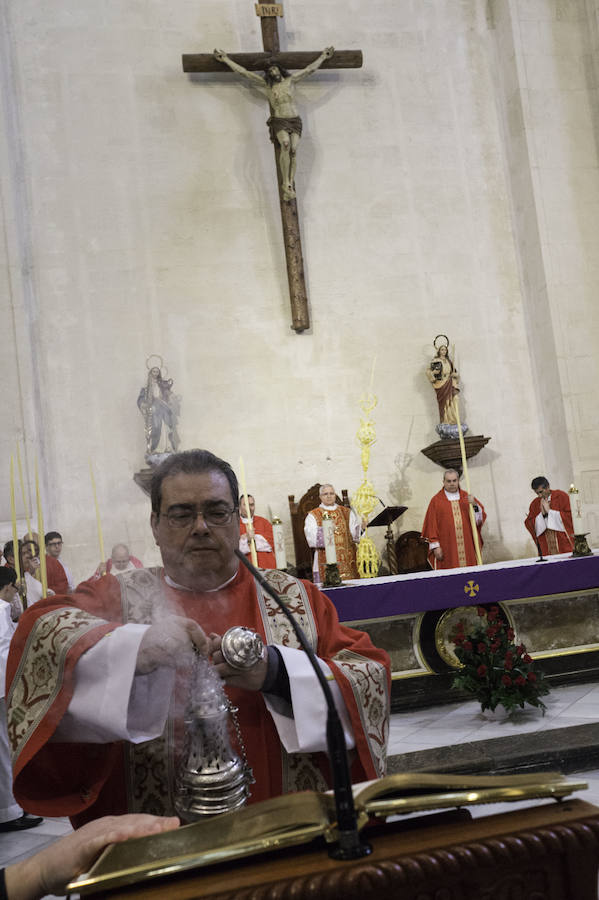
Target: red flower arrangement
493, 668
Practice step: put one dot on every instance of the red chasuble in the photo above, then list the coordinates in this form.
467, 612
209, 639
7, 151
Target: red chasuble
447, 522
266, 558
552, 541
86, 781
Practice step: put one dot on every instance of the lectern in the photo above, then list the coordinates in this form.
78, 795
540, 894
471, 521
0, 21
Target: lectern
545, 852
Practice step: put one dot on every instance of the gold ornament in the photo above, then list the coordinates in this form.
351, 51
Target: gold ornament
367, 557
365, 499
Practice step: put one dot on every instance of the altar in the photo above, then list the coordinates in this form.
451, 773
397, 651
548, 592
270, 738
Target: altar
553, 607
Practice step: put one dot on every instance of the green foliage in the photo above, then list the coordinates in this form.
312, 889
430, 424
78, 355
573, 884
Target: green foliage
494, 669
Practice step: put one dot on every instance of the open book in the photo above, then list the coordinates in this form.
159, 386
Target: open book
299, 818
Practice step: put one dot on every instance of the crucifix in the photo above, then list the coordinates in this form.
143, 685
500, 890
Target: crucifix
284, 124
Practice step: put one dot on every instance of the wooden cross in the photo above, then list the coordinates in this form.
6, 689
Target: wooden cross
341, 59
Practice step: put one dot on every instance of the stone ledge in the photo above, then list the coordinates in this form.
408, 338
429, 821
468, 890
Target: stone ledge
572, 749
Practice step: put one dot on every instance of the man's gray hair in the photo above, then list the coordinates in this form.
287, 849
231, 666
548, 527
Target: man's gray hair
120, 547
451, 469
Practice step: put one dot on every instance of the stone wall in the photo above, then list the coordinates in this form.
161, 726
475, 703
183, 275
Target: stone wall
450, 185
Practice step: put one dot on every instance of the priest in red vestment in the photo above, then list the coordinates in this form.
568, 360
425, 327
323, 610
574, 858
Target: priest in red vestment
98, 680
263, 536
549, 519
55, 574
447, 526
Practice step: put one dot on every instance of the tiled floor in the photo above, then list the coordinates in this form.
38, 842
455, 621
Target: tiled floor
456, 723
14, 847
434, 727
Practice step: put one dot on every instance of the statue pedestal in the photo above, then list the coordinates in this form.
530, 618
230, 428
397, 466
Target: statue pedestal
143, 478
446, 453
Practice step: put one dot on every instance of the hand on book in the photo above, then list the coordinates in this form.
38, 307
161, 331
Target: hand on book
49, 870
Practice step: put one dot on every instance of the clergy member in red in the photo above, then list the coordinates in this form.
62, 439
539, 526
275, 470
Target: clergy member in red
55, 574
98, 681
263, 536
447, 526
549, 519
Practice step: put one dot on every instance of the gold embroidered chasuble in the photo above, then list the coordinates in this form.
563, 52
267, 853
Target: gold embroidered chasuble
345, 547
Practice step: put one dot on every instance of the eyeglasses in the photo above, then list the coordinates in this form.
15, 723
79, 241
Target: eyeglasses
185, 516
54, 544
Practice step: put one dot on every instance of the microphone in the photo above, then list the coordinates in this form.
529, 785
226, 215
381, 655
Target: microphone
350, 844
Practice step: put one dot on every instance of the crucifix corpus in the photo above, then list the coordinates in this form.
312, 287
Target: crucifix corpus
285, 126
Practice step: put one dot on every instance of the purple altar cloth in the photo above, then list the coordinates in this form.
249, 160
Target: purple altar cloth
383, 597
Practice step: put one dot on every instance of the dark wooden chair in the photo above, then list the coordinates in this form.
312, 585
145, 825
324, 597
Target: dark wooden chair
412, 553
298, 512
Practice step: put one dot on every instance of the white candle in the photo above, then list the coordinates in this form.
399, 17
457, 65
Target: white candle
279, 539
576, 509
328, 533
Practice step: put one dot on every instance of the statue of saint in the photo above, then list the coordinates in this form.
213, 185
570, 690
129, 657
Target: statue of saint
160, 409
444, 378
284, 124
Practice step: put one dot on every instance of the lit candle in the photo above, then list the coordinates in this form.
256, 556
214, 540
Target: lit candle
25, 507
40, 531
576, 509
279, 539
249, 526
328, 533
13, 511
98, 523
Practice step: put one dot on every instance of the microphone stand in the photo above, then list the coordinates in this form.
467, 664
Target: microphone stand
541, 557
350, 844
